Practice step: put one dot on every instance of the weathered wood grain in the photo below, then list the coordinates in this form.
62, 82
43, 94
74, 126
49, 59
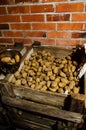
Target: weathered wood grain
85, 87
43, 109
27, 119
55, 99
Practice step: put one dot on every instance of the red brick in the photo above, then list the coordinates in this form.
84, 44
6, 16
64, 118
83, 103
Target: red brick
4, 26
33, 18
67, 42
41, 8
2, 10
45, 41
18, 1
6, 2
9, 18
79, 17
23, 40
20, 26
18, 9
79, 35
76, 35
70, 7
12, 34
6, 40
35, 34
54, 0
58, 35
70, 26
58, 17
43, 26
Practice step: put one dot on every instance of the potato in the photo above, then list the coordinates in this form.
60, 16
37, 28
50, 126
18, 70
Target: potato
26, 69
61, 66
17, 74
54, 84
75, 63
29, 79
46, 78
6, 59
44, 88
68, 89
53, 67
62, 74
73, 68
68, 57
13, 80
71, 78
75, 74
48, 83
76, 90
29, 83
72, 84
64, 80
37, 80
52, 89
52, 77
55, 70
65, 69
26, 62
62, 85
18, 82
32, 86
23, 82
13, 61
69, 62
57, 79
49, 73
64, 61
38, 86
69, 69
31, 73
60, 90
17, 58
38, 73
42, 83
24, 75
34, 64
40, 69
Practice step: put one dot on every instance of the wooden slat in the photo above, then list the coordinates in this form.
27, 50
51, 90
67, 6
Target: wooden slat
29, 118
43, 109
85, 83
27, 125
85, 87
49, 98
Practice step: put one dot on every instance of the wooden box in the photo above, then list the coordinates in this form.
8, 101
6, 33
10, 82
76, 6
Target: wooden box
43, 110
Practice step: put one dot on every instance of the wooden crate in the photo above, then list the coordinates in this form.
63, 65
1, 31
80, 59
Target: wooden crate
43, 107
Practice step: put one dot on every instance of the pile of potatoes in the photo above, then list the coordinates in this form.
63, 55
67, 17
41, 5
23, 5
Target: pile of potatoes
44, 72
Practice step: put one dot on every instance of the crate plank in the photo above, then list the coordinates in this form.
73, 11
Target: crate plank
55, 99
43, 109
26, 119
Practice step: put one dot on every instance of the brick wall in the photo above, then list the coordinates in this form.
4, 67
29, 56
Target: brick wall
52, 22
